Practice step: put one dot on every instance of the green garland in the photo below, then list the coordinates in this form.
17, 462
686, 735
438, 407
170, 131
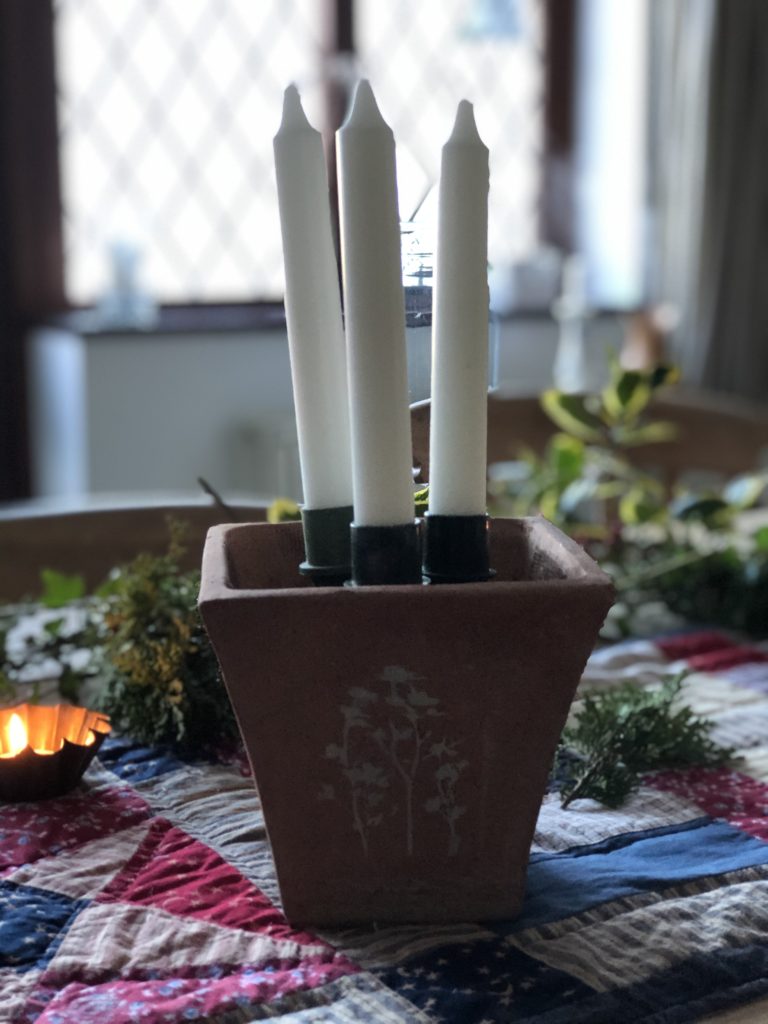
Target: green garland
156, 675
150, 664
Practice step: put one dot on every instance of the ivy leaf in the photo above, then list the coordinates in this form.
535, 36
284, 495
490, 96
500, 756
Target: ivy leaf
577, 494
641, 505
571, 414
627, 395
760, 537
745, 490
111, 585
566, 456
657, 432
421, 501
690, 508
283, 510
59, 589
663, 375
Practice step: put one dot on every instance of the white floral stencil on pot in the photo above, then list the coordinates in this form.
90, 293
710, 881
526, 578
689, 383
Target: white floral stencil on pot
393, 746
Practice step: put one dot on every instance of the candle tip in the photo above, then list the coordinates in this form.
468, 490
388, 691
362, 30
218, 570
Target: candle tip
364, 111
293, 112
464, 128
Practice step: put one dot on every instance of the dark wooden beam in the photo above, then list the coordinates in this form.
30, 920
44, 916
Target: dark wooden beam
31, 262
560, 83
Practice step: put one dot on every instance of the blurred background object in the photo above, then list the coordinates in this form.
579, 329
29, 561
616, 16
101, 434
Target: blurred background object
125, 305
625, 139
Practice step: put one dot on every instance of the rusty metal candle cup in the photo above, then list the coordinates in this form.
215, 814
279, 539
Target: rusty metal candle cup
45, 750
326, 545
401, 736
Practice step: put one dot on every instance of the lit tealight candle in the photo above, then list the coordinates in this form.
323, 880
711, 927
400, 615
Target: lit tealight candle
459, 409
313, 311
375, 317
16, 737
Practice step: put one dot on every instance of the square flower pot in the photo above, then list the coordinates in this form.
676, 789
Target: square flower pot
401, 737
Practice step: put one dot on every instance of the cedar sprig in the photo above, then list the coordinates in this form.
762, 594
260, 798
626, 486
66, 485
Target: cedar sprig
622, 733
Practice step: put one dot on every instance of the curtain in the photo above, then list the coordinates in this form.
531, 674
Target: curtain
709, 187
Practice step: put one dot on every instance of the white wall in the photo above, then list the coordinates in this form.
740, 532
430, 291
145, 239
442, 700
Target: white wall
152, 413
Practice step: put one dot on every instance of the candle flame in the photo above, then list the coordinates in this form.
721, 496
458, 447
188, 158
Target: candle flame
17, 735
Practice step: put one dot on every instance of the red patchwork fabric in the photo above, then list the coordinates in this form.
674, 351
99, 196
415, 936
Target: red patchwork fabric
31, 831
720, 793
710, 651
181, 999
686, 646
729, 657
176, 873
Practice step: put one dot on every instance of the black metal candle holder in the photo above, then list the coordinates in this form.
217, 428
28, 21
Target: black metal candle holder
72, 735
386, 555
327, 545
456, 549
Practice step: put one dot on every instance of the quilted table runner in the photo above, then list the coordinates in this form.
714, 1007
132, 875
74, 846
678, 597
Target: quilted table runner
148, 894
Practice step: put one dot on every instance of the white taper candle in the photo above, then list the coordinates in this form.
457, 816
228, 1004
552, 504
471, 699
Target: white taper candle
375, 317
313, 311
459, 411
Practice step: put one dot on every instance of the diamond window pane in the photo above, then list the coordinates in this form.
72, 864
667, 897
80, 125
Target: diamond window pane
422, 58
167, 110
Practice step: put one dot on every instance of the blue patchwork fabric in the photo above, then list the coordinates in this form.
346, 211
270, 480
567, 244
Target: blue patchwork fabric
33, 923
134, 763
563, 884
487, 979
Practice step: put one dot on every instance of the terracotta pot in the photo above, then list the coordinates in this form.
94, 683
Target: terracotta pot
401, 736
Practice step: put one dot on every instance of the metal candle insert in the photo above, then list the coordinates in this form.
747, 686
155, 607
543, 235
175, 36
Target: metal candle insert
456, 549
45, 750
386, 555
327, 545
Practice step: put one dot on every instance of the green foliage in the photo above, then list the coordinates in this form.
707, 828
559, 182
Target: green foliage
59, 589
728, 587
614, 418
622, 733
148, 653
7, 689
283, 510
658, 547
162, 677
583, 482
421, 501
572, 413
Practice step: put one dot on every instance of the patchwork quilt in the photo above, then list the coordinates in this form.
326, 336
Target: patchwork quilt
148, 894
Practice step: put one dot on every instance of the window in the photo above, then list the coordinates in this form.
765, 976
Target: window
423, 58
150, 121
167, 111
